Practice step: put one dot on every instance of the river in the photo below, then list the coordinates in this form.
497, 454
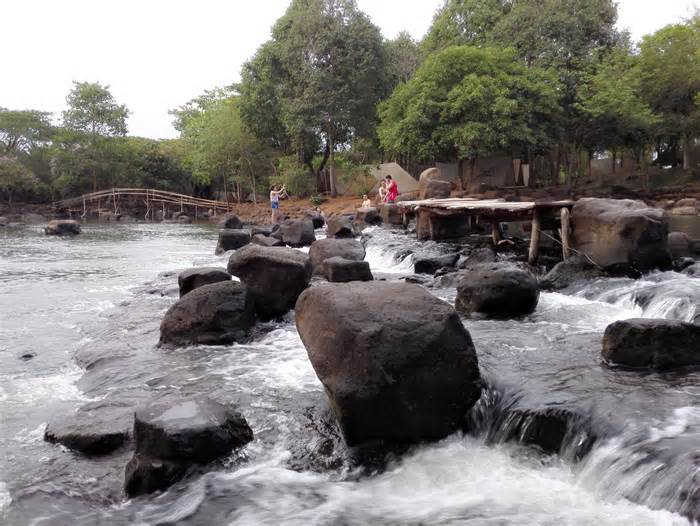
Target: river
89, 308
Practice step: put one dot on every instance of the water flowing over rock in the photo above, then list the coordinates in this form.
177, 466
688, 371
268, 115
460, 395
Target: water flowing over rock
171, 437
91, 432
274, 276
330, 247
341, 226
230, 239
341, 270
231, 222
497, 291
297, 232
429, 265
620, 232
267, 241
192, 278
658, 344
396, 362
692, 270
215, 314
62, 227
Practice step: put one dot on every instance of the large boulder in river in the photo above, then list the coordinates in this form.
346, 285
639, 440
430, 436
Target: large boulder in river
368, 216
62, 227
391, 214
274, 276
436, 189
620, 233
215, 314
678, 245
396, 362
297, 232
171, 437
230, 221
316, 218
659, 344
497, 291
230, 239
267, 241
324, 249
192, 278
341, 226
341, 270
431, 264
430, 174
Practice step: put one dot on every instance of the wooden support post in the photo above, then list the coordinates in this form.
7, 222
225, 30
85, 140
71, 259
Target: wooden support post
565, 233
534, 238
496, 235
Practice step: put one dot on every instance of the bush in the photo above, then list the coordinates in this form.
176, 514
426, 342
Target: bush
294, 176
317, 199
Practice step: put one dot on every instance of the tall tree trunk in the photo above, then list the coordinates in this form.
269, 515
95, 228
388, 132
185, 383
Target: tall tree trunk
331, 164
686, 151
252, 178
225, 191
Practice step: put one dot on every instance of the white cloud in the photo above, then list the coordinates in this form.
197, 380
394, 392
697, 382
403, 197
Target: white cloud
157, 54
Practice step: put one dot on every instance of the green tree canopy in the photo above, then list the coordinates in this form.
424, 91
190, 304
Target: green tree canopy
93, 110
465, 102
22, 130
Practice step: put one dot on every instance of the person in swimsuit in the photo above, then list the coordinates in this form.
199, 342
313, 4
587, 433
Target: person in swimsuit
275, 193
366, 203
382, 191
392, 190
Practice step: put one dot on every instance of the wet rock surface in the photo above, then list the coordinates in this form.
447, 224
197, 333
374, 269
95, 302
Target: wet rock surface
657, 344
267, 241
214, 314
368, 216
396, 362
576, 269
341, 270
331, 247
430, 264
91, 432
62, 227
316, 218
297, 232
341, 226
230, 222
497, 290
192, 278
230, 239
274, 276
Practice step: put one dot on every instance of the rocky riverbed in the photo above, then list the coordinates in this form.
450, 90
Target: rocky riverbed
556, 437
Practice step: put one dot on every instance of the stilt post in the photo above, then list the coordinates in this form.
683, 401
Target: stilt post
534, 237
565, 233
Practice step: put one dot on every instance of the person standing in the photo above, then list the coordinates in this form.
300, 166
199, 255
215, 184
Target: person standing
392, 190
275, 193
382, 191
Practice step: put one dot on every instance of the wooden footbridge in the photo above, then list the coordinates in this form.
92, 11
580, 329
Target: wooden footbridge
451, 217
151, 201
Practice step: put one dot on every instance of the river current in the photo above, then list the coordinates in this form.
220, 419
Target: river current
88, 310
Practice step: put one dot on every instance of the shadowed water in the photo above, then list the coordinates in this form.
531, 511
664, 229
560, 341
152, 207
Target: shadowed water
90, 307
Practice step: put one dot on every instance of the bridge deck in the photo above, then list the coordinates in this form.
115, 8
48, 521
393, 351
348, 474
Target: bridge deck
486, 207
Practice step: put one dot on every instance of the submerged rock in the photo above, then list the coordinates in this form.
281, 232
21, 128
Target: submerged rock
274, 276
497, 291
230, 239
341, 270
430, 265
192, 278
62, 227
91, 432
573, 270
171, 437
330, 247
341, 226
616, 232
658, 344
297, 232
214, 314
396, 362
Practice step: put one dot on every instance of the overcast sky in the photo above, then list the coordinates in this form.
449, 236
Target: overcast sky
158, 54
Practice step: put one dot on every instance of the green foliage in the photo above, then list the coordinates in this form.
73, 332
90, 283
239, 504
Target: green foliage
15, 178
317, 199
93, 110
294, 176
465, 102
402, 58
20, 131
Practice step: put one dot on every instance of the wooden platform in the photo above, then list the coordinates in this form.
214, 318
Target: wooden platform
444, 218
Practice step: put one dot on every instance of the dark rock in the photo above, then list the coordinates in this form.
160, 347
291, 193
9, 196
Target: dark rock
298, 232
573, 270
27, 356
658, 344
429, 265
621, 232
316, 218
274, 276
91, 432
263, 230
231, 222
330, 247
267, 241
341, 226
680, 264
476, 257
215, 314
341, 270
391, 214
231, 240
693, 270
437, 189
184, 219
4, 221
396, 362
678, 245
172, 437
110, 217
190, 279
368, 216
497, 291
437, 227
62, 227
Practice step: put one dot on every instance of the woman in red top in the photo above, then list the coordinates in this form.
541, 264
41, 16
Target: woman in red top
392, 190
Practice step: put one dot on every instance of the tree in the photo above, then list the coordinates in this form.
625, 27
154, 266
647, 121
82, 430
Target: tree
15, 177
92, 110
465, 102
320, 78
670, 79
403, 58
22, 130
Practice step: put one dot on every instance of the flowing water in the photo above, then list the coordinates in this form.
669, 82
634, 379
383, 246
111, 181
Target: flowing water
89, 309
